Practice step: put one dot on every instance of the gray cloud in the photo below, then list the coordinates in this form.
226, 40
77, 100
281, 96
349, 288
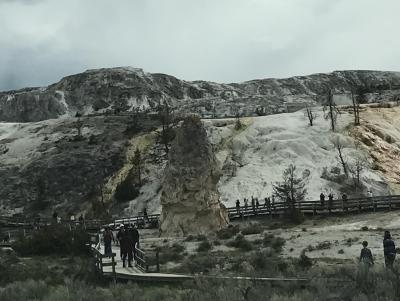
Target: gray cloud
224, 40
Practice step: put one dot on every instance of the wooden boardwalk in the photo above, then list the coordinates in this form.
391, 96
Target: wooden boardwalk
111, 267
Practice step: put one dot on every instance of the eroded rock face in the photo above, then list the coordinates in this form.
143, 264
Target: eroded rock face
190, 200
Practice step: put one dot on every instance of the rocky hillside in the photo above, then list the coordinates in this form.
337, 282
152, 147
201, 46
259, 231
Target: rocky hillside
125, 89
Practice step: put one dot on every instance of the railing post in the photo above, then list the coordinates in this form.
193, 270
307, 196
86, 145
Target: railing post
374, 204
359, 206
113, 267
390, 204
158, 261
314, 210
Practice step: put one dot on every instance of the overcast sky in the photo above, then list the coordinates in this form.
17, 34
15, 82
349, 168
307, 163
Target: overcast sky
219, 40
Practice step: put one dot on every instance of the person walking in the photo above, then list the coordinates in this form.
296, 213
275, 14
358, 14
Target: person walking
366, 255
389, 250
238, 207
257, 205
108, 238
253, 204
366, 261
246, 204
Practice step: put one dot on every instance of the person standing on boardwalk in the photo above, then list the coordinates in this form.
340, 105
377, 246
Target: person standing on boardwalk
389, 250
344, 201
330, 202
238, 207
119, 238
246, 204
253, 204
257, 205
322, 199
134, 237
108, 238
126, 246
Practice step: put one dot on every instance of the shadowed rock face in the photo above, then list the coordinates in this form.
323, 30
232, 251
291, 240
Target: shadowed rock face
190, 200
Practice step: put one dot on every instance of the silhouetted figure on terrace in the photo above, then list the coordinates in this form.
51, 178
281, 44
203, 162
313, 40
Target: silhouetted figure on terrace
257, 205
253, 204
322, 199
330, 202
238, 207
344, 201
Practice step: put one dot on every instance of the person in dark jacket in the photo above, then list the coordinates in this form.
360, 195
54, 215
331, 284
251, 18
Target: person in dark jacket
238, 207
389, 250
126, 246
108, 238
134, 239
322, 199
119, 238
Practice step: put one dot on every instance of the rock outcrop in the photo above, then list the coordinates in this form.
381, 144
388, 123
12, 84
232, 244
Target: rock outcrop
124, 89
190, 200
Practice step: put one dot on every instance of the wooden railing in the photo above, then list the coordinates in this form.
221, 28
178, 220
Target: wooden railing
22, 222
150, 221
144, 263
100, 263
316, 207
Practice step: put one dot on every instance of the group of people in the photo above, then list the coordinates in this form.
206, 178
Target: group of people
389, 252
255, 204
128, 240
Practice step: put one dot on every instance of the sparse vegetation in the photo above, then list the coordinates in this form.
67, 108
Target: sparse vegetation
228, 232
240, 242
252, 229
204, 246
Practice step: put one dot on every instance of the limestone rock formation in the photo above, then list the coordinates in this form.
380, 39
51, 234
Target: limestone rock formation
190, 200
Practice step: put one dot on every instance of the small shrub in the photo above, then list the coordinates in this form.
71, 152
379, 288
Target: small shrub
341, 251
53, 240
171, 253
201, 237
304, 261
252, 229
275, 243
189, 238
364, 228
228, 233
323, 245
241, 242
216, 243
304, 229
204, 246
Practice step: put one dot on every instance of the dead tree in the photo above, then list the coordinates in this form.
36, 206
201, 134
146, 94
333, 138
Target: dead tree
137, 163
238, 122
356, 168
311, 115
339, 147
356, 108
330, 110
166, 117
